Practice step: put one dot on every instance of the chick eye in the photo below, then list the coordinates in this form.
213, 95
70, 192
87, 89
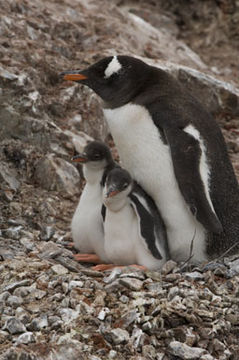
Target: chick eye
96, 156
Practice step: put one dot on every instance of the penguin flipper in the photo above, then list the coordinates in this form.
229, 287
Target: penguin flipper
148, 223
186, 154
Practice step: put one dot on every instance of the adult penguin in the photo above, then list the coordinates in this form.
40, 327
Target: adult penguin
174, 149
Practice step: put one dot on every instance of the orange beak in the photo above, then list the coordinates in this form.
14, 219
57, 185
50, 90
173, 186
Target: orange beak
79, 158
112, 193
74, 77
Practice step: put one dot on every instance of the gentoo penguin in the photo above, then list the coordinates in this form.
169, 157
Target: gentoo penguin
133, 228
174, 149
87, 221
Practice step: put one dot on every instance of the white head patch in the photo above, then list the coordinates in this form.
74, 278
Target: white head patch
113, 67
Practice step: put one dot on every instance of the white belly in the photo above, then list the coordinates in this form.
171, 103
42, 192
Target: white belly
87, 224
123, 243
148, 159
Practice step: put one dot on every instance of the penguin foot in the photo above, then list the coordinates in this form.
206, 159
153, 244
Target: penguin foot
70, 245
87, 258
104, 267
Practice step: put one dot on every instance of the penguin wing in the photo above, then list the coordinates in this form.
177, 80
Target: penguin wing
186, 155
149, 225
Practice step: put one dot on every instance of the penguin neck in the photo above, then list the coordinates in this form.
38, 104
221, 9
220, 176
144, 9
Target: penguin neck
116, 205
93, 175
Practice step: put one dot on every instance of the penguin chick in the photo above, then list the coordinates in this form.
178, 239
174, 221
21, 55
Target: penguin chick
134, 230
87, 221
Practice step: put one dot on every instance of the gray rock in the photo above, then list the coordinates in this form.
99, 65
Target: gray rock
9, 176
131, 283
14, 326
16, 284
68, 315
13, 232
184, 351
14, 301
59, 269
117, 336
22, 315
75, 284
47, 233
195, 275
4, 296
38, 323
26, 338
54, 173
168, 267
103, 312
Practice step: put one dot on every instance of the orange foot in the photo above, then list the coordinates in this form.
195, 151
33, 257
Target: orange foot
70, 245
87, 258
103, 267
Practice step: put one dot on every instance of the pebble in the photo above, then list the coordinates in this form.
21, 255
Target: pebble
117, 336
13, 232
184, 351
59, 269
14, 301
195, 275
4, 296
75, 284
14, 326
14, 285
68, 315
26, 338
168, 267
38, 323
131, 283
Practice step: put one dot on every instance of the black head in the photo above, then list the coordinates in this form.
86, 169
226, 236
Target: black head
95, 151
116, 79
117, 181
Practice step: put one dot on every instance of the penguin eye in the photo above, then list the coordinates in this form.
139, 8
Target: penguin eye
125, 185
97, 156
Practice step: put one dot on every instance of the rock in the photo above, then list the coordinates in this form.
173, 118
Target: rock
168, 267
195, 275
59, 269
4, 296
26, 338
68, 315
54, 173
75, 284
117, 336
38, 323
14, 326
132, 284
14, 301
103, 312
184, 351
13, 232
14, 285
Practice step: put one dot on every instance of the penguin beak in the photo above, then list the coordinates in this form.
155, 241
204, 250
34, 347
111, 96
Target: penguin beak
81, 158
73, 75
112, 192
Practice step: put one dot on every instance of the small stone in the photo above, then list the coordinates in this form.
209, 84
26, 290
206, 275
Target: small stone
22, 315
68, 315
149, 351
113, 275
103, 312
117, 336
184, 351
172, 277
14, 301
131, 283
16, 284
218, 345
59, 269
173, 291
124, 299
75, 284
28, 244
22, 291
13, 232
38, 323
47, 233
26, 338
112, 354
14, 326
168, 267
4, 296
195, 275
207, 357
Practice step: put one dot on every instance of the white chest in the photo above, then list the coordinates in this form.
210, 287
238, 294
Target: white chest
148, 159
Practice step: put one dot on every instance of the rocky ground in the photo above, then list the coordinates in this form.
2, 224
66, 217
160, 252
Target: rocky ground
52, 307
